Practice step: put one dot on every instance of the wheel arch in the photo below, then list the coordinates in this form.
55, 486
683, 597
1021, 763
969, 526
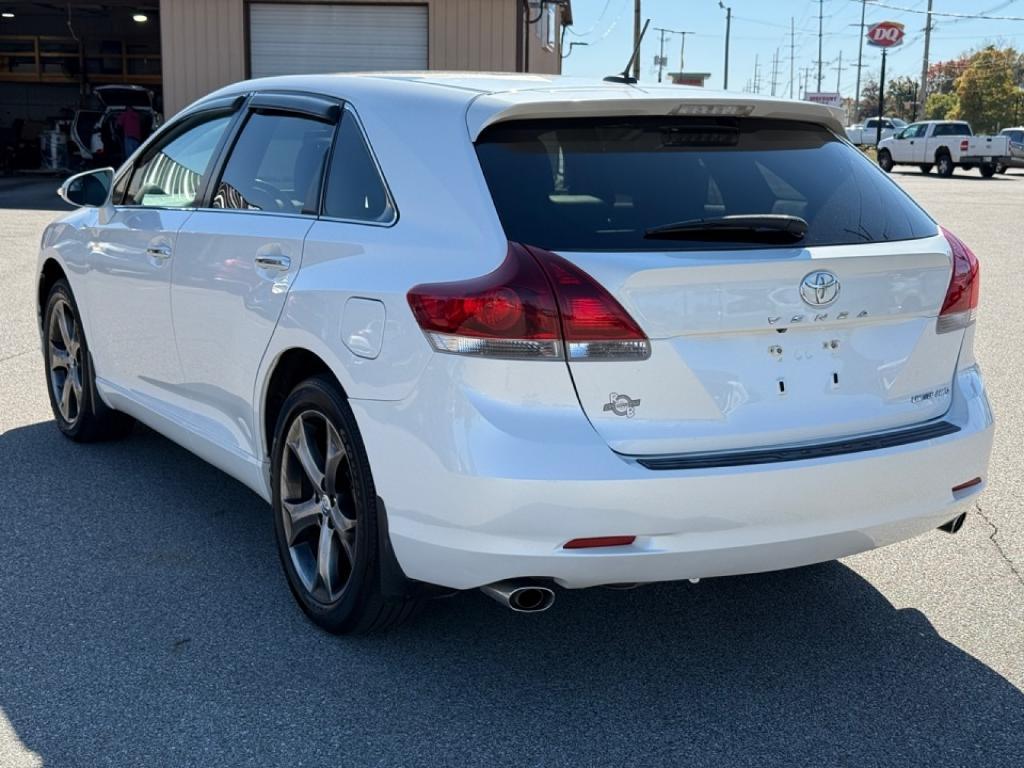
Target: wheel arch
288, 368
50, 272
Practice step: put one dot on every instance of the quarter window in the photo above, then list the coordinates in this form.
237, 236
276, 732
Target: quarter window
276, 165
355, 189
171, 173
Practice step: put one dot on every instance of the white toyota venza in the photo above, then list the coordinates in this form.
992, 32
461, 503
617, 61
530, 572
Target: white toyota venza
515, 333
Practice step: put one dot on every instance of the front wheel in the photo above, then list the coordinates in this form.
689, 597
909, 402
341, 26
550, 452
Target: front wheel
926, 168
987, 170
326, 516
78, 410
885, 160
944, 165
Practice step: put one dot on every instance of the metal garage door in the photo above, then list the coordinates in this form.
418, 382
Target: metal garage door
288, 39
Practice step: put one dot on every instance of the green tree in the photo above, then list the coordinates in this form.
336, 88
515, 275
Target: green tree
901, 98
942, 75
940, 106
987, 93
868, 106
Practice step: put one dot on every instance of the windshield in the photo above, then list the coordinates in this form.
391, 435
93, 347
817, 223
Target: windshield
601, 184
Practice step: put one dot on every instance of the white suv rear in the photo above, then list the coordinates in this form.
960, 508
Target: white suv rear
547, 333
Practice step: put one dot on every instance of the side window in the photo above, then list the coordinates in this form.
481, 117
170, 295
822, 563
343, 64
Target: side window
355, 189
169, 175
276, 165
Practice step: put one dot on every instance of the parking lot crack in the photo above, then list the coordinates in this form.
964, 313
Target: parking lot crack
998, 546
16, 354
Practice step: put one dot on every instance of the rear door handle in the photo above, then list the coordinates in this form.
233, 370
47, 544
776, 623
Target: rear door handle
275, 262
159, 252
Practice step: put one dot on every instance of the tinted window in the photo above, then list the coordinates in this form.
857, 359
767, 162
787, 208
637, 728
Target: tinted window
170, 173
914, 131
355, 189
952, 129
276, 165
599, 184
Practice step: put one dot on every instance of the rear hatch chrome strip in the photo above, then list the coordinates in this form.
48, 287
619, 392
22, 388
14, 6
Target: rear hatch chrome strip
876, 442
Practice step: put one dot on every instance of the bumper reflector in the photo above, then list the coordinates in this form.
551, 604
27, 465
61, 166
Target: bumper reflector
968, 484
600, 541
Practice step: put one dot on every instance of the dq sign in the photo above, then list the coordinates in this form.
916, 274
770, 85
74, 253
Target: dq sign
885, 34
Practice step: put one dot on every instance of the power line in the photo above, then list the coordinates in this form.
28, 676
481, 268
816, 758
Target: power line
946, 14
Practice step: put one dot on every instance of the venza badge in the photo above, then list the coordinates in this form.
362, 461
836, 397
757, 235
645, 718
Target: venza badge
819, 289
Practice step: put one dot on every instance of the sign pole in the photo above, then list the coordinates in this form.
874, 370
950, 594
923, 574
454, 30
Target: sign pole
881, 102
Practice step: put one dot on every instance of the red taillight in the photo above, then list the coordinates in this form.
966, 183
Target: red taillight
510, 312
961, 302
964, 145
530, 307
594, 324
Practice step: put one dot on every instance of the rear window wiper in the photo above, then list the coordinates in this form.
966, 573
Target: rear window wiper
761, 227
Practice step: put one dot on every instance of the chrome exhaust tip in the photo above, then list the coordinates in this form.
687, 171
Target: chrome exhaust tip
520, 595
955, 524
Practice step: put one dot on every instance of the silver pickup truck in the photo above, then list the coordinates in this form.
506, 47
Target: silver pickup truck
946, 145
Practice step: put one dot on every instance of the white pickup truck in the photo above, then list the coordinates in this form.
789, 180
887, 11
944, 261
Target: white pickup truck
945, 145
866, 133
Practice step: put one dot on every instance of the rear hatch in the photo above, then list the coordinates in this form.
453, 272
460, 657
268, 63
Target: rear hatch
758, 337
121, 96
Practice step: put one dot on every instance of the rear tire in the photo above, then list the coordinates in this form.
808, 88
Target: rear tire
926, 168
1001, 168
70, 376
326, 515
885, 161
987, 170
944, 165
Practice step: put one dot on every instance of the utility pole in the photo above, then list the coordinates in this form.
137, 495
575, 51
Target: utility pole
839, 72
728, 28
757, 75
881, 100
661, 54
806, 76
682, 48
792, 52
821, 4
775, 71
860, 60
636, 38
923, 88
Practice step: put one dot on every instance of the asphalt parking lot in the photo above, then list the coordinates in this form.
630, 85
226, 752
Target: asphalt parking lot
144, 620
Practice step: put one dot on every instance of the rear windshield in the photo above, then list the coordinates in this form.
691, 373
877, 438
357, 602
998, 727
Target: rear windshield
598, 184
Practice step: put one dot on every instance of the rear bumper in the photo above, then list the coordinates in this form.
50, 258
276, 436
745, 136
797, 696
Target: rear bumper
477, 494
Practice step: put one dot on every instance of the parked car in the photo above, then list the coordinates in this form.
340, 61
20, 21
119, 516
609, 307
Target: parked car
865, 134
470, 351
1016, 158
95, 133
944, 145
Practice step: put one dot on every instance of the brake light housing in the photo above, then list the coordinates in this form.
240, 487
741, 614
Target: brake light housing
535, 305
960, 306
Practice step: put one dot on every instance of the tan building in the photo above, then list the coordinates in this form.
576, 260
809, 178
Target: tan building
207, 43
53, 54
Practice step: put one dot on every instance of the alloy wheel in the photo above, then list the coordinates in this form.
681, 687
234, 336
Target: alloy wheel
64, 348
318, 506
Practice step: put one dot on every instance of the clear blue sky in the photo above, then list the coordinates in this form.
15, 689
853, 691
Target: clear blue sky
759, 27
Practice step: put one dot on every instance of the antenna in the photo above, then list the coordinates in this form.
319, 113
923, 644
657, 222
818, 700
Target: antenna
625, 77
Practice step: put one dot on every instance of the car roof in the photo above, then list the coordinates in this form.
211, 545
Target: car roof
489, 97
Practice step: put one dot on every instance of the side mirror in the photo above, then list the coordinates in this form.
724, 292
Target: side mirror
89, 189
